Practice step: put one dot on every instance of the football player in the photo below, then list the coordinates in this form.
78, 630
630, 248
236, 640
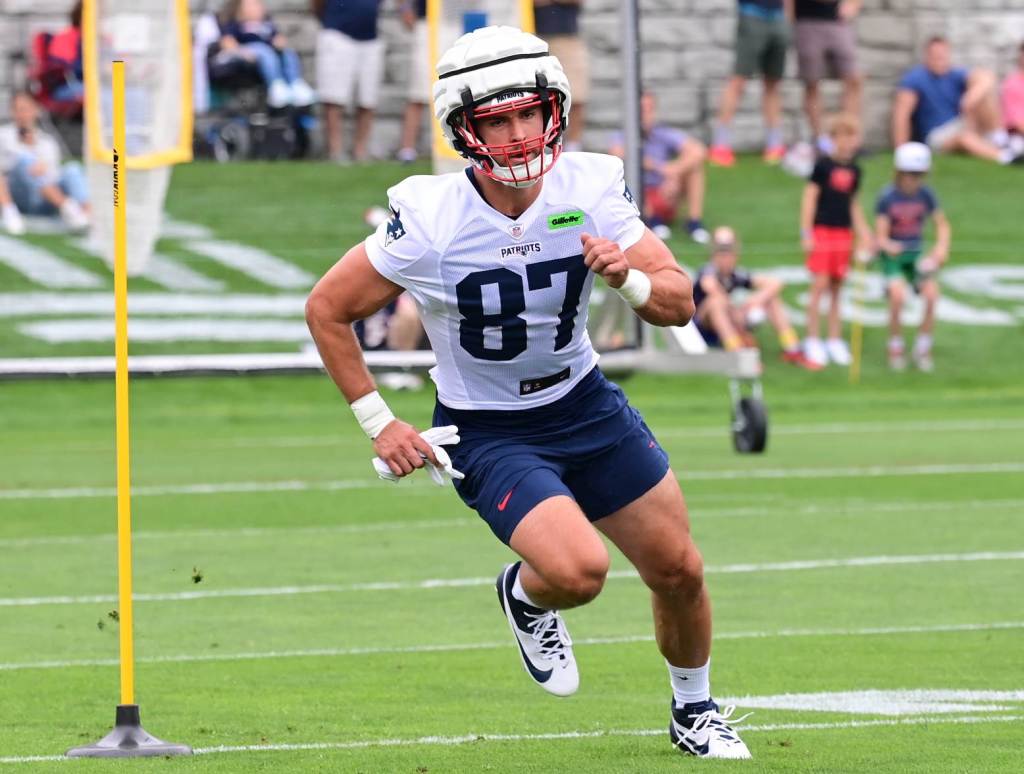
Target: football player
501, 260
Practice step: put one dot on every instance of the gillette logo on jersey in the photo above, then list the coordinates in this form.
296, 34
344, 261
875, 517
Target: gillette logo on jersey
523, 250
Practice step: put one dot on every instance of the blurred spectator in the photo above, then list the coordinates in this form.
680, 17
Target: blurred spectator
727, 322
248, 29
349, 65
673, 171
1013, 97
10, 215
55, 68
557, 22
902, 211
762, 37
414, 17
826, 45
30, 160
950, 108
829, 215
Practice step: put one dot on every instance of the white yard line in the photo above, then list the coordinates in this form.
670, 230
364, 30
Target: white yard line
168, 329
443, 583
697, 514
475, 738
256, 263
871, 471
716, 431
43, 267
458, 647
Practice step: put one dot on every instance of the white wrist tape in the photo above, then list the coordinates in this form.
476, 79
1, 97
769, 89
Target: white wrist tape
372, 413
636, 289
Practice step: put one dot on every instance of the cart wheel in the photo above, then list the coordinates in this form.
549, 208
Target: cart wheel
749, 426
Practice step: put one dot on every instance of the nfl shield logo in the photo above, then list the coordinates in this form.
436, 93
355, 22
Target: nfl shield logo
516, 230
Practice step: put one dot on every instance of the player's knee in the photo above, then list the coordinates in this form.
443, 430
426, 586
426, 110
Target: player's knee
680, 573
583, 579
896, 293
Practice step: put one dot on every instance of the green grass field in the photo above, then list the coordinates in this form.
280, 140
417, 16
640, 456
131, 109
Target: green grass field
341, 624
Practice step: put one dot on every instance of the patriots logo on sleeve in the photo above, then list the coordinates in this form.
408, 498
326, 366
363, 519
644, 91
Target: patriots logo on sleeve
628, 196
395, 229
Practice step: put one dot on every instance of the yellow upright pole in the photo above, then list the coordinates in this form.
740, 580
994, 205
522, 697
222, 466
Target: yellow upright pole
124, 488
128, 739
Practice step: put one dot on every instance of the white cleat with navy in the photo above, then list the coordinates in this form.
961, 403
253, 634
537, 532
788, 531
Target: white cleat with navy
702, 730
544, 644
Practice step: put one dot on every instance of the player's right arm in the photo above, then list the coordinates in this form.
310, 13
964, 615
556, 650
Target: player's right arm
352, 290
885, 243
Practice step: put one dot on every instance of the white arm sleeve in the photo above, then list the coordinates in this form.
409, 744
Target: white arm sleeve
399, 250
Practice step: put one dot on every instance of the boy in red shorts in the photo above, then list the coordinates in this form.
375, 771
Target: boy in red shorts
829, 213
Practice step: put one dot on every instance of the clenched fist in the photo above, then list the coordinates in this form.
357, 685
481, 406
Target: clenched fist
603, 257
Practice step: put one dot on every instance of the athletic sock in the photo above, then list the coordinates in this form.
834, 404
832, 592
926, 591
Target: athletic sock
520, 593
690, 686
773, 137
732, 343
722, 135
923, 343
896, 343
1006, 156
825, 144
789, 340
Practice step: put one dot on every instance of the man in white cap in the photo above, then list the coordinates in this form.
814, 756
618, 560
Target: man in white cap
501, 260
902, 210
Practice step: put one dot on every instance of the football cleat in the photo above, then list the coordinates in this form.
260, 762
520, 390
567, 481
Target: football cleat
544, 645
701, 730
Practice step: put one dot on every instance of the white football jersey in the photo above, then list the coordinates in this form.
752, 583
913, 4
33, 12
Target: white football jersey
503, 301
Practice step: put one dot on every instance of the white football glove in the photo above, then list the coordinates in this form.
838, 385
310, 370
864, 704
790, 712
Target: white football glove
437, 437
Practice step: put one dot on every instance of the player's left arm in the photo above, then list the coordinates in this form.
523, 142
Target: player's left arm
943, 237
645, 274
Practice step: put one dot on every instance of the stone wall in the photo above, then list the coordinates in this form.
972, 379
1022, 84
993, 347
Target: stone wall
687, 55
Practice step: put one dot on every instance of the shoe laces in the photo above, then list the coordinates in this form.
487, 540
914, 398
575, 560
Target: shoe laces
713, 721
549, 632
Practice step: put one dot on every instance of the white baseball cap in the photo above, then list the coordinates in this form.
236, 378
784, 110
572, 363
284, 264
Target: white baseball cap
913, 157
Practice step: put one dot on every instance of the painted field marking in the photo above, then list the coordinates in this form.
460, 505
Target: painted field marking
871, 471
237, 304
697, 513
168, 329
256, 263
43, 267
447, 583
450, 741
460, 647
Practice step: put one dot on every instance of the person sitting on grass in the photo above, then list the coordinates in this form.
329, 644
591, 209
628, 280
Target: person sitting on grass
1012, 98
249, 28
38, 183
901, 213
722, 321
951, 109
829, 212
673, 171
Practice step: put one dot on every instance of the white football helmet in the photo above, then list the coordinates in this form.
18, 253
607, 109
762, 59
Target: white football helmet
493, 71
